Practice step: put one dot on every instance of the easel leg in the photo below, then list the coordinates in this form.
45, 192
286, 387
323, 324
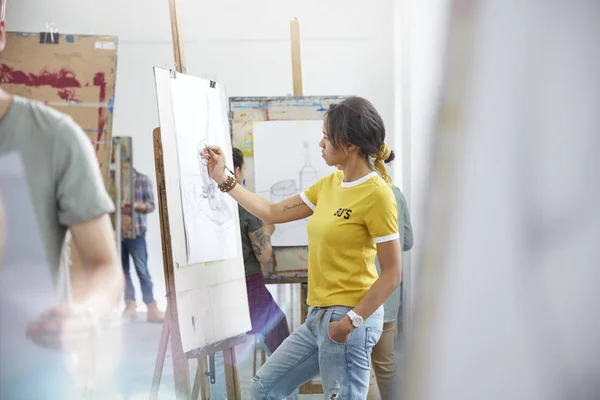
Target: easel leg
181, 369
232, 377
201, 383
160, 358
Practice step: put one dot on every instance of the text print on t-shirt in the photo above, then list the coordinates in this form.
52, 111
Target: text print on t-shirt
345, 212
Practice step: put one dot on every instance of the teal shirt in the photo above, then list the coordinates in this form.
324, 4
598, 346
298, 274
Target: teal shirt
392, 304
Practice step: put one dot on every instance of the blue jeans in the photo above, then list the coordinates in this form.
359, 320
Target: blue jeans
310, 351
137, 249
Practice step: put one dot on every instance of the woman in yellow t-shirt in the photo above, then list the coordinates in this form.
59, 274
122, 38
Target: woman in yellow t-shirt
354, 217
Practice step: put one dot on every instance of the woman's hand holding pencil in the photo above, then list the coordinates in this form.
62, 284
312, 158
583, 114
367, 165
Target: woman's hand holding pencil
216, 163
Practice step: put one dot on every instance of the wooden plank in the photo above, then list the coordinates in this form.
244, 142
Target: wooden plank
204, 379
232, 377
296, 57
303, 305
180, 362
177, 45
281, 280
160, 357
199, 387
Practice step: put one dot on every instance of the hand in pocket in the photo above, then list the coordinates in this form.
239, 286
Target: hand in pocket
339, 332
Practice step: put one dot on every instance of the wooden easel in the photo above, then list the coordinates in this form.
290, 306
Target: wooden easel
170, 326
309, 387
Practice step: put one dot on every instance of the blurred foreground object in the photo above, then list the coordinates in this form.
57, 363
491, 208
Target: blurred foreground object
27, 371
507, 303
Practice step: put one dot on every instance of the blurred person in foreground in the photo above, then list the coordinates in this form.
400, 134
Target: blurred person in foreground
68, 194
508, 303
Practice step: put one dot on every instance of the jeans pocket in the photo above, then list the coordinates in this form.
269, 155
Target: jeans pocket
371, 338
334, 314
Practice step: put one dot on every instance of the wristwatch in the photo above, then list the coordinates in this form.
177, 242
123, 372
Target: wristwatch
356, 319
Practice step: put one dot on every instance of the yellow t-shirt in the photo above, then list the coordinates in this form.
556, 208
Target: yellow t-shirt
349, 219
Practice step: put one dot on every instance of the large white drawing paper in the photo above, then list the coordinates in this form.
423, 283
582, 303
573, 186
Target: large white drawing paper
205, 291
26, 289
199, 114
287, 160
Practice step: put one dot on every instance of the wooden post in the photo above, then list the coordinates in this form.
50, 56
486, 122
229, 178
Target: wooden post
307, 388
177, 45
296, 57
180, 363
160, 358
232, 377
170, 325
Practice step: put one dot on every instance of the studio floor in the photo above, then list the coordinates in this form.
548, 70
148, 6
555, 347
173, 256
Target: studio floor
140, 346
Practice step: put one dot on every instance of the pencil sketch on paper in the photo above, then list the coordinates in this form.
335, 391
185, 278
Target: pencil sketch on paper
291, 146
209, 215
204, 196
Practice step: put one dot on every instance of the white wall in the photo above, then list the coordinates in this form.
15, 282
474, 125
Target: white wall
346, 49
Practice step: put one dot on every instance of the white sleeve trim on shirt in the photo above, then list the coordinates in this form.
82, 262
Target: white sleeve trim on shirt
307, 201
387, 238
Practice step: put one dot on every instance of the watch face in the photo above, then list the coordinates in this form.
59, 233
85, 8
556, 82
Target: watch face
357, 321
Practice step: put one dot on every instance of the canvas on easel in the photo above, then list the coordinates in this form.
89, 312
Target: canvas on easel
251, 115
205, 290
198, 294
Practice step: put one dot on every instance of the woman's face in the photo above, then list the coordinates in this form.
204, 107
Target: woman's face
239, 174
331, 155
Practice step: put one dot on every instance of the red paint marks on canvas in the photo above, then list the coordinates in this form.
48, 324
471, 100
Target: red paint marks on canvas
68, 95
100, 81
64, 78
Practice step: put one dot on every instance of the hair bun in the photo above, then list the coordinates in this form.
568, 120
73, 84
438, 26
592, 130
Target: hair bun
390, 158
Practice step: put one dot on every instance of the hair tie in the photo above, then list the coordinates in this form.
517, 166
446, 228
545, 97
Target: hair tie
384, 152
382, 155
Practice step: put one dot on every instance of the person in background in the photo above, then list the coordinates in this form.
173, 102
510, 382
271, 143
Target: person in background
383, 357
68, 193
268, 321
136, 248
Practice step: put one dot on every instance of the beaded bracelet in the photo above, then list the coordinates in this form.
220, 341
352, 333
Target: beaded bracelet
229, 184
